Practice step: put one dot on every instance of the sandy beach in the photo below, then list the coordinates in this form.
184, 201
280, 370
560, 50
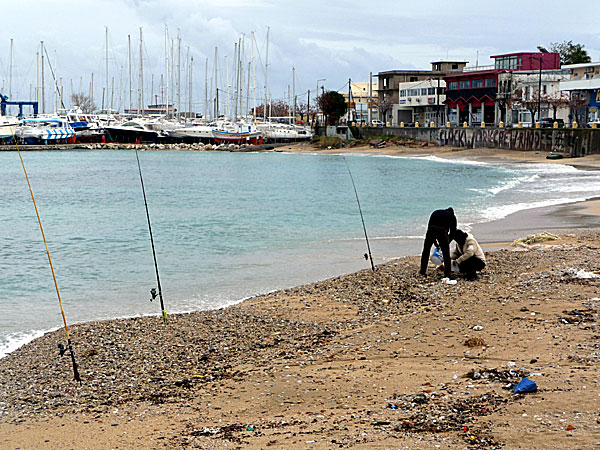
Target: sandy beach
368, 360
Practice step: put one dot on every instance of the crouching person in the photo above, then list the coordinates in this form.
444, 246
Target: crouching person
468, 254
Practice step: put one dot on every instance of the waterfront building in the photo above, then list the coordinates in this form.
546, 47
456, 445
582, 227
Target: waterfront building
423, 102
471, 95
583, 89
390, 109
523, 95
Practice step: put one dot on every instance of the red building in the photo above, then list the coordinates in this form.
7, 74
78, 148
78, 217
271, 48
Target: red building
471, 94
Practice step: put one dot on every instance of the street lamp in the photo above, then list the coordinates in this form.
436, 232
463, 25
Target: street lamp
542, 50
317, 92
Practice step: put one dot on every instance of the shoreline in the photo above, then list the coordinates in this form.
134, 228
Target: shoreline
492, 235
362, 360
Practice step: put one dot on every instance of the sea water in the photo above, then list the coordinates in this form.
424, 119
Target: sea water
226, 226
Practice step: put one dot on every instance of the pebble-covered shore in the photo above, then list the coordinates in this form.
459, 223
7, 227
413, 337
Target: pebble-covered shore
387, 359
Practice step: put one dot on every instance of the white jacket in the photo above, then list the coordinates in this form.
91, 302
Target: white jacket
471, 248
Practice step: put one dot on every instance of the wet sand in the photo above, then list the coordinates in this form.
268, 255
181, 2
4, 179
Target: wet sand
366, 360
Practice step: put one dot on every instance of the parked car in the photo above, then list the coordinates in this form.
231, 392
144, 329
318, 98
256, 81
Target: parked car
377, 123
597, 122
548, 122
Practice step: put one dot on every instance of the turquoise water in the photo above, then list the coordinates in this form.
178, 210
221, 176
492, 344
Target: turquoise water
226, 225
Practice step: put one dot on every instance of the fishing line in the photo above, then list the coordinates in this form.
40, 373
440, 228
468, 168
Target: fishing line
361, 216
152, 291
62, 311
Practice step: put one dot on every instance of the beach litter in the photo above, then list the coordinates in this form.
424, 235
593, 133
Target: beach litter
581, 274
526, 386
448, 281
535, 238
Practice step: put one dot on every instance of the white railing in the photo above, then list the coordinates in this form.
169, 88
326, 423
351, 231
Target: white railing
478, 68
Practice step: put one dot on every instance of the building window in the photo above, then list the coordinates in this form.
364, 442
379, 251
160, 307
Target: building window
402, 92
423, 91
490, 82
431, 91
440, 90
477, 84
465, 84
452, 85
544, 89
454, 66
385, 83
413, 92
413, 79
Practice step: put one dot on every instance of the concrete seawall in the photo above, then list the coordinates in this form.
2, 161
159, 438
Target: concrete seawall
572, 141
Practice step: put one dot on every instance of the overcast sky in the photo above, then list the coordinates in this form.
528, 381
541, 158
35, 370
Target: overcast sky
321, 39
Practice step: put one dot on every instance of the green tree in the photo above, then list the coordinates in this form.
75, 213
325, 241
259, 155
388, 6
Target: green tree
570, 53
333, 106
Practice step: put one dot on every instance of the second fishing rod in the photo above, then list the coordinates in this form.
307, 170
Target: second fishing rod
152, 291
369, 256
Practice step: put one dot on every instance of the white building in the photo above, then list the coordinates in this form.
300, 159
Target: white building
521, 94
421, 101
584, 92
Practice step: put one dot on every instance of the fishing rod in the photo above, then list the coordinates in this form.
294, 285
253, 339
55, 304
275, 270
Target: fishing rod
152, 291
361, 216
62, 311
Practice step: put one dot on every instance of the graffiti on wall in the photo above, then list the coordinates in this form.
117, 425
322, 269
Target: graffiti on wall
506, 138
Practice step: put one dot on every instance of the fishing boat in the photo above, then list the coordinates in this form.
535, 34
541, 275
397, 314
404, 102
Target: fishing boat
46, 130
132, 131
237, 133
8, 128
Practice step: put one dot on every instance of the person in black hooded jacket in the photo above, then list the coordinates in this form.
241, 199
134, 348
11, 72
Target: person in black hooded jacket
442, 223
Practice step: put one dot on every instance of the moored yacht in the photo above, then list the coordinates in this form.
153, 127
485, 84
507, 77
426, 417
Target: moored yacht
133, 131
46, 130
8, 128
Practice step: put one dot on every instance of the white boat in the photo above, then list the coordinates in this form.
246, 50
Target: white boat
282, 132
194, 131
45, 130
237, 133
8, 127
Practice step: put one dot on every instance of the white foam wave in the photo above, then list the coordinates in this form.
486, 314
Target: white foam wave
500, 212
15, 340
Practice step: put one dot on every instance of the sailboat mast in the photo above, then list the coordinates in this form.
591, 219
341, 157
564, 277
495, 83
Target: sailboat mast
141, 87
129, 58
206, 89
248, 87
253, 77
106, 46
10, 70
227, 110
190, 80
267, 75
235, 86
216, 83
294, 95
55, 75
178, 74
167, 68
43, 82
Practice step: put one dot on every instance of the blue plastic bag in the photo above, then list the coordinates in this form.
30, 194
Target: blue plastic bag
436, 257
526, 386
